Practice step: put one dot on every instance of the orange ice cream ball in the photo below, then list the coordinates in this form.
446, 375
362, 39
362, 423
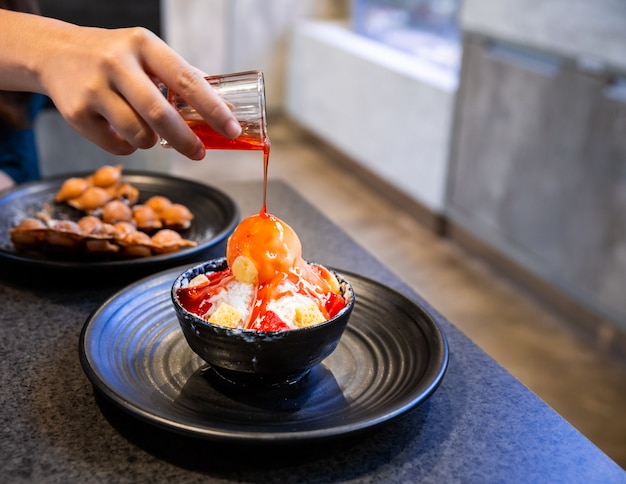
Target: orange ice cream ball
271, 244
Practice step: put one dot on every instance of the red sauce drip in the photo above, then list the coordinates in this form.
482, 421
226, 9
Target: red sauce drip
266, 162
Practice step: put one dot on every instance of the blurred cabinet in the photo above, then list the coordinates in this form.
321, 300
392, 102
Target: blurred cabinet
539, 169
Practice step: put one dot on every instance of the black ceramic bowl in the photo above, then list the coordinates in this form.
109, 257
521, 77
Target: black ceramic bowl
248, 357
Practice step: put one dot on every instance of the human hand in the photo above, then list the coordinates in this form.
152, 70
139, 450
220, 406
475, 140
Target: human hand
103, 82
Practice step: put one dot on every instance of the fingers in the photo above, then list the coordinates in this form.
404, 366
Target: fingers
155, 114
98, 130
117, 104
133, 77
189, 83
110, 121
129, 124
193, 88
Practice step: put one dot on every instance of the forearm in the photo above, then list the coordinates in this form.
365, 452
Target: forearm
26, 43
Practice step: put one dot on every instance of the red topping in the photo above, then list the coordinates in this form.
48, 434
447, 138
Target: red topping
195, 299
270, 322
334, 304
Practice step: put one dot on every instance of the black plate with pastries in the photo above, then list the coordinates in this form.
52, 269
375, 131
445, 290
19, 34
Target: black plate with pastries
215, 217
390, 359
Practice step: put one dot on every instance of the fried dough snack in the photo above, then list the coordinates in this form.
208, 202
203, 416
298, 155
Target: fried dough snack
113, 225
103, 192
91, 236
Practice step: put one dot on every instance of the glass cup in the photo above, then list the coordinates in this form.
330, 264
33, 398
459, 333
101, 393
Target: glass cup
244, 93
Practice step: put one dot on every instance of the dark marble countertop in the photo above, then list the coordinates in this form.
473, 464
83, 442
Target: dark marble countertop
481, 425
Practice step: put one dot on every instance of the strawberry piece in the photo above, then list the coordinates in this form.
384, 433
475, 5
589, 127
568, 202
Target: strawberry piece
334, 304
270, 322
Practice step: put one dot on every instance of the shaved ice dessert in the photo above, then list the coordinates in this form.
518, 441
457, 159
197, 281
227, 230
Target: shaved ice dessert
267, 285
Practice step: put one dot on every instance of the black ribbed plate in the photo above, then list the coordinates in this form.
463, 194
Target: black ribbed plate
390, 359
215, 217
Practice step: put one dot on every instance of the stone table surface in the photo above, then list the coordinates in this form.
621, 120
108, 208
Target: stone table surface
481, 425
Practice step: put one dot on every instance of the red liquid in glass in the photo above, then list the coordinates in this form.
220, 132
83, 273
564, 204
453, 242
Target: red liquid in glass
212, 140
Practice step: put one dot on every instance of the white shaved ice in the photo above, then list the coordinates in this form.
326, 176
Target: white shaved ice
236, 294
285, 307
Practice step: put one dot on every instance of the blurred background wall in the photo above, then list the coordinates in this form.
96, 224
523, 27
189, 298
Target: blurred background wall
237, 35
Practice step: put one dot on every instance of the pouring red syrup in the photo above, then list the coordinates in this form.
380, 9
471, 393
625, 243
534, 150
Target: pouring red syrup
274, 249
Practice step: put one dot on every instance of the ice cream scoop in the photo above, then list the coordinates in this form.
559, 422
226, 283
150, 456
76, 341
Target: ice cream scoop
262, 247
